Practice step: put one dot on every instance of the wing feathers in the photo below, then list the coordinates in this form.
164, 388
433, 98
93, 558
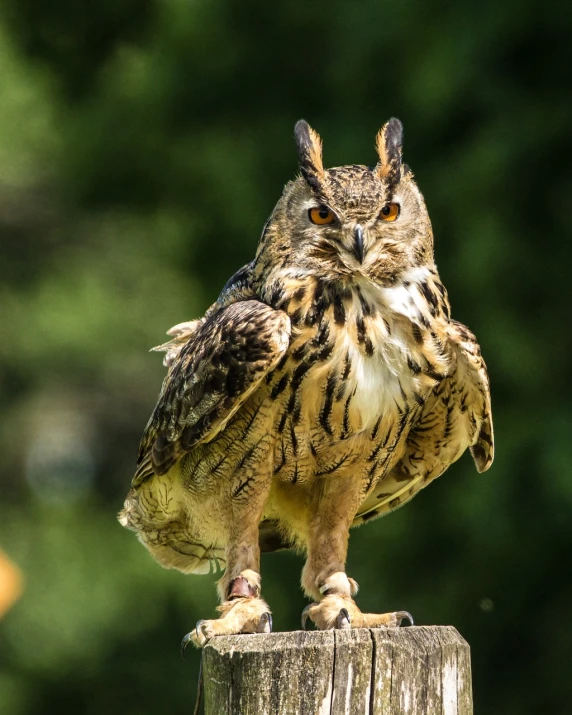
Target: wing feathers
221, 364
472, 373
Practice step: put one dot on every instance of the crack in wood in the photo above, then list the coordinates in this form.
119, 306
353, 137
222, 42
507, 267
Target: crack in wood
406, 671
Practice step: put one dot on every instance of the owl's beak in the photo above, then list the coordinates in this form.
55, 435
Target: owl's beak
358, 243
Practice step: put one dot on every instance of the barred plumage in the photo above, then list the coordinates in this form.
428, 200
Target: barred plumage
326, 386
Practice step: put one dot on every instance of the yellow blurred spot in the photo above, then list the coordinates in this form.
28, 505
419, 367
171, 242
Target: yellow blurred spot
11, 583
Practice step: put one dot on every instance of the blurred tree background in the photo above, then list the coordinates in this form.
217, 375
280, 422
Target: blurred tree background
142, 145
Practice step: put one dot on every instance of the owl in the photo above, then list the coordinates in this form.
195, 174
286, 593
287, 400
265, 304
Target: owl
325, 387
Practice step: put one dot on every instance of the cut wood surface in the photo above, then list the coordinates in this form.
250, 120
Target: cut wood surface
380, 671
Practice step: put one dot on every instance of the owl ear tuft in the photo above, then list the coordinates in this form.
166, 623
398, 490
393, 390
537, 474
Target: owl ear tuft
389, 143
309, 153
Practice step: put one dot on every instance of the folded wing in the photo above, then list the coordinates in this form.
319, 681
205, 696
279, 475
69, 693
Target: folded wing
210, 377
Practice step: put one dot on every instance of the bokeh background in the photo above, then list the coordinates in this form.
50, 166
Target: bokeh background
142, 145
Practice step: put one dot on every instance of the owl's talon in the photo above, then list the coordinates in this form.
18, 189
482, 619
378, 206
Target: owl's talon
343, 620
306, 614
185, 642
199, 637
198, 628
338, 611
241, 615
401, 615
265, 623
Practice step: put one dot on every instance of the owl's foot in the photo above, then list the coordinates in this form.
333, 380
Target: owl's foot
336, 611
241, 615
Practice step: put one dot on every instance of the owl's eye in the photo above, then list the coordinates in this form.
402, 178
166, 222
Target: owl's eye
390, 212
321, 215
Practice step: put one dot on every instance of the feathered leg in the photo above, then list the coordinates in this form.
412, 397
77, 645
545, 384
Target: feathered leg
324, 578
242, 610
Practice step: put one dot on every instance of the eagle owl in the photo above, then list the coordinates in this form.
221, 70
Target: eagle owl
326, 386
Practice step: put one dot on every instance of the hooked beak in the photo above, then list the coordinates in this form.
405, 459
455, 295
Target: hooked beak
358, 243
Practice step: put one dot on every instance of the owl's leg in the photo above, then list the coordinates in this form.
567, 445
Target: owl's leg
242, 610
324, 578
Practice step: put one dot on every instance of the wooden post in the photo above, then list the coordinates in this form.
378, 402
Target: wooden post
380, 671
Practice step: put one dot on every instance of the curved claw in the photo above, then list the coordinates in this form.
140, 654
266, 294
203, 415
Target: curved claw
343, 620
305, 614
198, 627
185, 642
189, 637
265, 623
400, 615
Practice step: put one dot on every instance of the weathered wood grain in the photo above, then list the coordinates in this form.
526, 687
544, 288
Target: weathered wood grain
353, 663
381, 671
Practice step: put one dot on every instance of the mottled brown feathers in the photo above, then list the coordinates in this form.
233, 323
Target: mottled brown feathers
325, 386
310, 154
388, 143
222, 362
473, 376
456, 413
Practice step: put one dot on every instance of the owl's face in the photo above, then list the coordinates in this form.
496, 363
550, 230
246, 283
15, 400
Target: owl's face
351, 220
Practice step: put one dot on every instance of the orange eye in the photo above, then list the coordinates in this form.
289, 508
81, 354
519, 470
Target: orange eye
321, 215
390, 212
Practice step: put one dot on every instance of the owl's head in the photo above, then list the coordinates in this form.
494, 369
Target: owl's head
350, 220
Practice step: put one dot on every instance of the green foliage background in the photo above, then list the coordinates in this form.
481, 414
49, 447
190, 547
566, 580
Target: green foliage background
142, 145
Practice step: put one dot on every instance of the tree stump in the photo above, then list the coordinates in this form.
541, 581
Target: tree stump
378, 671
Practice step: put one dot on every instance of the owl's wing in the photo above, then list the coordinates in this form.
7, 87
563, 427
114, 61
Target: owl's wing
222, 363
238, 287
180, 335
470, 385
456, 416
